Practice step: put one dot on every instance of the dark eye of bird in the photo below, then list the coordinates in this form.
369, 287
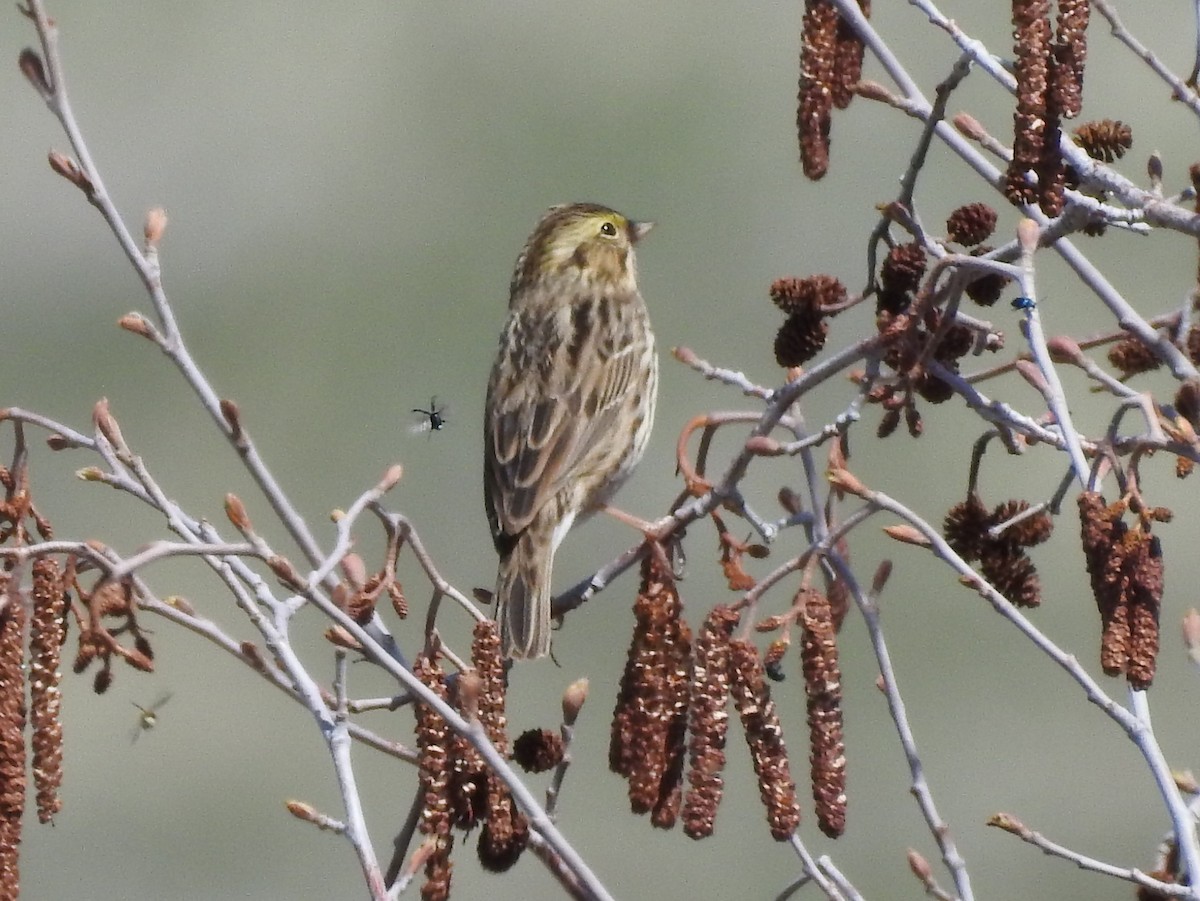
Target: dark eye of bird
608, 229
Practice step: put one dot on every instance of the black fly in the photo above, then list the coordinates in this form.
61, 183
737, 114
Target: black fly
433, 419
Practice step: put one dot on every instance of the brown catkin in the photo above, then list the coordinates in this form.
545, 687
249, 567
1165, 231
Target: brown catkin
489, 664
437, 870
1012, 573
12, 740
1132, 356
933, 388
1070, 55
621, 737
468, 783
823, 688
956, 342
888, 423
806, 295
1104, 553
818, 58
647, 739
505, 833
1029, 531
800, 338
1145, 600
903, 268
46, 636
679, 678
432, 755
986, 289
1052, 166
1114, 639
538, 750
1032, 38
971, 224
1104, 139
502, 841
1002, 561
433, 742
764, 736
709, 722
848, 59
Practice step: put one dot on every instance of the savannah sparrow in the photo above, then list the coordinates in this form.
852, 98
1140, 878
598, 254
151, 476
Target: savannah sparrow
570, 402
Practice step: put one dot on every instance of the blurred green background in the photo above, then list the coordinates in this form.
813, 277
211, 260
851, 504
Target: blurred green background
347, 189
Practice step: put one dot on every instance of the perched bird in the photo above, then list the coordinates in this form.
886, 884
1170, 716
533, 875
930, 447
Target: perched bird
569, 405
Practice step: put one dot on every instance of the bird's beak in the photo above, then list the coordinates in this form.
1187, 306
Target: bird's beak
637, 230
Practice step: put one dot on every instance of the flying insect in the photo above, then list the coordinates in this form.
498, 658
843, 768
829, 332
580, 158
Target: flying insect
432, 420
147, 716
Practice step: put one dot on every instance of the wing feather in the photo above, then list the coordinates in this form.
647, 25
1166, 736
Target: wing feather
548, 402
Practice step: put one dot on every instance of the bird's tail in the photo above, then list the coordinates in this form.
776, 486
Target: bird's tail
523, 598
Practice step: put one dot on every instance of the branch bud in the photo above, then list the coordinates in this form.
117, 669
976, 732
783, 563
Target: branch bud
251, 655
136, 323
68, 169
470, 686
1007, 822
183, 605
107, 426
155, 225
873, 90
883, 572
391, 477
906, 534
573, 700
285, 572
1028, 233
1191, 634
764, 446
1154, 169
684, 355
846, 481
969, 127
790, 500
339, 637
302, 811
31, 67
355, 570
235, 512
1185, 781
920, 866
1064, 349
233, 417
63, 165
1029, 371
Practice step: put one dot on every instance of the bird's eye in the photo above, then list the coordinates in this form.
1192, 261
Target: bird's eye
608, 229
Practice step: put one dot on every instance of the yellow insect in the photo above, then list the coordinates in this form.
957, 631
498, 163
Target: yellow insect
147, 716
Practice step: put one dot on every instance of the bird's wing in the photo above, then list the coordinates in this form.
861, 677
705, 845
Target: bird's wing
555, 391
